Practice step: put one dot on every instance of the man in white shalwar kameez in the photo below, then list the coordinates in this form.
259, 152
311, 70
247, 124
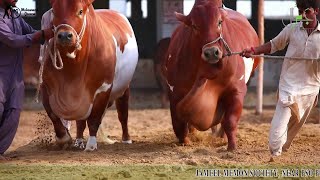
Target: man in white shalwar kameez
299, 80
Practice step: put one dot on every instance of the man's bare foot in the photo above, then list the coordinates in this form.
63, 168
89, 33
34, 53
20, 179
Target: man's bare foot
274, 159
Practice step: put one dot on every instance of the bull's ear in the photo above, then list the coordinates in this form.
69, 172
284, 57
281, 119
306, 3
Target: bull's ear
51, 2
89, 2
224, 14
183, 18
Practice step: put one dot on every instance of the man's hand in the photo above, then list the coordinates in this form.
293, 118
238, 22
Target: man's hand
48, 33
42, 36
248, 52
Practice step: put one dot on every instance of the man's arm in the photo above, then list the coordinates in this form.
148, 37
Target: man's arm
13, 40
276, 44
18, 41
263, 49
26, 28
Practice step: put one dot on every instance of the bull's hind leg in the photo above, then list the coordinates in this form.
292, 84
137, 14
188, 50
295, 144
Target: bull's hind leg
62, 134
233, 105
122, 105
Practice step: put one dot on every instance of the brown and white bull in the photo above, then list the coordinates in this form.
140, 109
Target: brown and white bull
93, 56
206, 86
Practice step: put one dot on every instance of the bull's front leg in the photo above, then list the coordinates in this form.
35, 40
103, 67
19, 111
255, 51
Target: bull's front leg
233, 105
94, 120
62, 134
79, 142
93, 125
180, 127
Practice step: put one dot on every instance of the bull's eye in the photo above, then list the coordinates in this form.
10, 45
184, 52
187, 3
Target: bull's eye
80, 12
219, 24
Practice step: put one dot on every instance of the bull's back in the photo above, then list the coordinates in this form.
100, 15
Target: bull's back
244, 36
239, 24
182, 61
125, 46
113, 21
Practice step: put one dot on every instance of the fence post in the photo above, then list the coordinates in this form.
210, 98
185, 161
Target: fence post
259, 104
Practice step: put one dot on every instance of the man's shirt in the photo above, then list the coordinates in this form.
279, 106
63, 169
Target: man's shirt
15, 34
298, 77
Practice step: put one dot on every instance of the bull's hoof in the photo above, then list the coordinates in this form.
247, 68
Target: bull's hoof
231, 148
91, 144
66, 139
185, 142
79, 143
127, 141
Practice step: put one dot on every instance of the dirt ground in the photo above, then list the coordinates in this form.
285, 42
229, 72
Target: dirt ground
155, 143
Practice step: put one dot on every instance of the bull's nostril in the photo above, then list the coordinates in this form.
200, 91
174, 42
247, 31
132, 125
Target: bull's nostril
206, 54
216, 53
69, 36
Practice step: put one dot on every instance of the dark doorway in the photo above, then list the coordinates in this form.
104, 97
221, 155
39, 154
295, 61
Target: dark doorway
145, 27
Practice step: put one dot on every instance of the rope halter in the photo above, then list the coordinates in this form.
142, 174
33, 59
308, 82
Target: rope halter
224, 43
56, 52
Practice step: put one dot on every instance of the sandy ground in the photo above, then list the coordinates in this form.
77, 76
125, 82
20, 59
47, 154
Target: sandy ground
155, 143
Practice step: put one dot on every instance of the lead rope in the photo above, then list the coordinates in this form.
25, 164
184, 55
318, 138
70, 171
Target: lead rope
230, 53
275, 57
42, 61
56, 52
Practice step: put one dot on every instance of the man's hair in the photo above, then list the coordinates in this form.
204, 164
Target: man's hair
303, 4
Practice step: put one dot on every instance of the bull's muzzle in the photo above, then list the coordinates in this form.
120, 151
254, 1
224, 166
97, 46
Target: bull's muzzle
211, 54
65, 38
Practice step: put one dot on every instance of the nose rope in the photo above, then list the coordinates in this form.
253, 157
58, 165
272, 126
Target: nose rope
224, 43
56, 52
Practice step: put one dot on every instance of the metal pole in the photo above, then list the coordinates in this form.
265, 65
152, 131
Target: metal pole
260, 67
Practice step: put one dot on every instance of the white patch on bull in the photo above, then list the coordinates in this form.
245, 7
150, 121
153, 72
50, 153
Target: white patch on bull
103, 88
248, 63
71, 55
127, 142
241, 77
66, 124
87, 114
91, 144
171, 87
169, 57
126, 63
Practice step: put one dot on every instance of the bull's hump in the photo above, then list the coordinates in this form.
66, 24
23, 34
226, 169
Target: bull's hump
117, 24
234, 15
